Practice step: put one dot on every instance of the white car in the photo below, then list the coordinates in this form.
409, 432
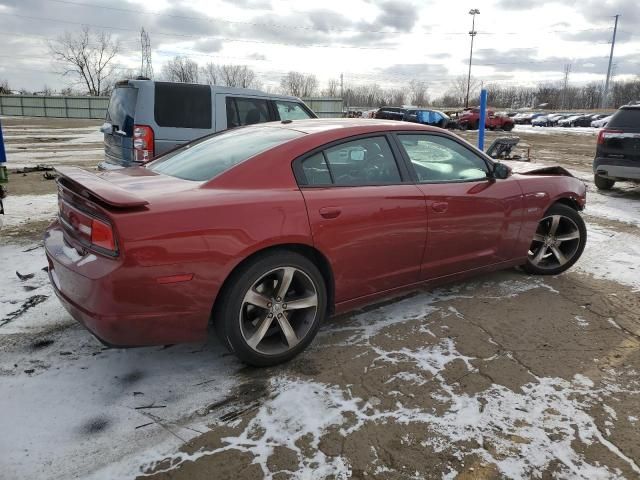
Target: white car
602, 122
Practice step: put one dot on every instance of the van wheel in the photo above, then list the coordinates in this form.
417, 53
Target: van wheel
558, 242
272, 309
603, 183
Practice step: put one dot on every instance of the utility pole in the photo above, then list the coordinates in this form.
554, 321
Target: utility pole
473, 12
567, 71
605, 94
146, 68
342, 91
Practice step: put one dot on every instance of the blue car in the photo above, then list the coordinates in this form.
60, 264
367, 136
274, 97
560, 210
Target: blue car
427, 117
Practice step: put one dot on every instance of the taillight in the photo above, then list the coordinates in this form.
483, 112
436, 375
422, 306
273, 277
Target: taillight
90, 231
605, 133
102, 235
143, 143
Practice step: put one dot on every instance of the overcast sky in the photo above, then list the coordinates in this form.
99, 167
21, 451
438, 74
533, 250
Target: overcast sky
383, 41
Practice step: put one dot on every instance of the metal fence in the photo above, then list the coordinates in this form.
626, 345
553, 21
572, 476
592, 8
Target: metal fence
96, 107
325, 107
60, 107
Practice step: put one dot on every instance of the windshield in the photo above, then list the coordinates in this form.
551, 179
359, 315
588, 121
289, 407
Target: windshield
208, 157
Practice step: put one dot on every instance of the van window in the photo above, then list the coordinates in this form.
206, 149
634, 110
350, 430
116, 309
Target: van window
182, 105
291, 111
210, 156
122, 107
246, 111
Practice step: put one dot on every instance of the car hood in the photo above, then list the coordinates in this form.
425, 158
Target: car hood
524, 169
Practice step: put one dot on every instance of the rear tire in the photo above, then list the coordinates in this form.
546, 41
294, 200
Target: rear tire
603, 183
558, 242
258, 322
508, 127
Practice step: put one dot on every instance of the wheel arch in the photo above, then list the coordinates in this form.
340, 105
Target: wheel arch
312, 253
568, 201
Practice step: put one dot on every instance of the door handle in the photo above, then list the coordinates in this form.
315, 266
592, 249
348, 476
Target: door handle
439, 207
330, 212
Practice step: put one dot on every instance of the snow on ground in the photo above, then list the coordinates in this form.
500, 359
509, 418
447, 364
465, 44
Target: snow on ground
64, 397
524, 419
556, 130
612, 255
20, 209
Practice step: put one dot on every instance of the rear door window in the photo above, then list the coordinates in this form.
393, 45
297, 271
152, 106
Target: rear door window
183, 105
366, 161
246, 111
628, 118
291, 111
122, 107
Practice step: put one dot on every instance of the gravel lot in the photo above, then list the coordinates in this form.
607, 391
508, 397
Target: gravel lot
504, 376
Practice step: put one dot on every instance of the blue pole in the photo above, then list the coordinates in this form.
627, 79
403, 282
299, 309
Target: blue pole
483, 118
3, 154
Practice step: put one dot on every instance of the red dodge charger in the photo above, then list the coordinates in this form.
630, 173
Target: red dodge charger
261, 232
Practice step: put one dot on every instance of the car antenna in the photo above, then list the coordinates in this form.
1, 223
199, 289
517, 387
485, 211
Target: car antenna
286, 121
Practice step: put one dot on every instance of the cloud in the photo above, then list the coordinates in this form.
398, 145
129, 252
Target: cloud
420, 71
208, 45
258, 56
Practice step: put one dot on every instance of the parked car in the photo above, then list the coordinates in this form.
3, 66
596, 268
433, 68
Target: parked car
433, 118
391, 113
583, 121
568, 120
146, 118
618, 149
262, 231
470, 120
601, 122
526, 118
541, 121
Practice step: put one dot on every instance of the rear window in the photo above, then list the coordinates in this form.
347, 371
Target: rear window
207, 158
122, 107
182, 105
626, 118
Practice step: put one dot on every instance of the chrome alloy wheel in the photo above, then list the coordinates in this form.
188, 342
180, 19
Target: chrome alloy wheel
555, 242
278, 310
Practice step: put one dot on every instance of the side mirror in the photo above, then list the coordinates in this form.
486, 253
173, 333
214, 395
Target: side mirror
501, 171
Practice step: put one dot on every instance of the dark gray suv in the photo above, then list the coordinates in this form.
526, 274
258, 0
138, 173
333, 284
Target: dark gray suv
618, 150
146, 118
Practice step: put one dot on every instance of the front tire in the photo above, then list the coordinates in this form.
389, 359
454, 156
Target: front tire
558, 242
603, 183
272, 309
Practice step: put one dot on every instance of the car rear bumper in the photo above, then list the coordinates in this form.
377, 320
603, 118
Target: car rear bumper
122, 306
617, 169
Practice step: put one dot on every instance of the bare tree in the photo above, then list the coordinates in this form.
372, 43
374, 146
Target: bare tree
418, 91
180, 69
210, 74
239, 76
332, 89
4, 87
299, 84
458, 90
86, 57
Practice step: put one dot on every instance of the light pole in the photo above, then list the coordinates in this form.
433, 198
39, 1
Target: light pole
473, 12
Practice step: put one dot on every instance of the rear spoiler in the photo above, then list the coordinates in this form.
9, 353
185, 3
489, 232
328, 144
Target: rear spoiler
103, 190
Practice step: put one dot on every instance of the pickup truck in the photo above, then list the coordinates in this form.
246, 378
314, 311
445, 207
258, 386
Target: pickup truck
470, 120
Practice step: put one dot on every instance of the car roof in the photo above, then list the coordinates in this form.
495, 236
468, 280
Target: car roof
349, 126
216, 89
